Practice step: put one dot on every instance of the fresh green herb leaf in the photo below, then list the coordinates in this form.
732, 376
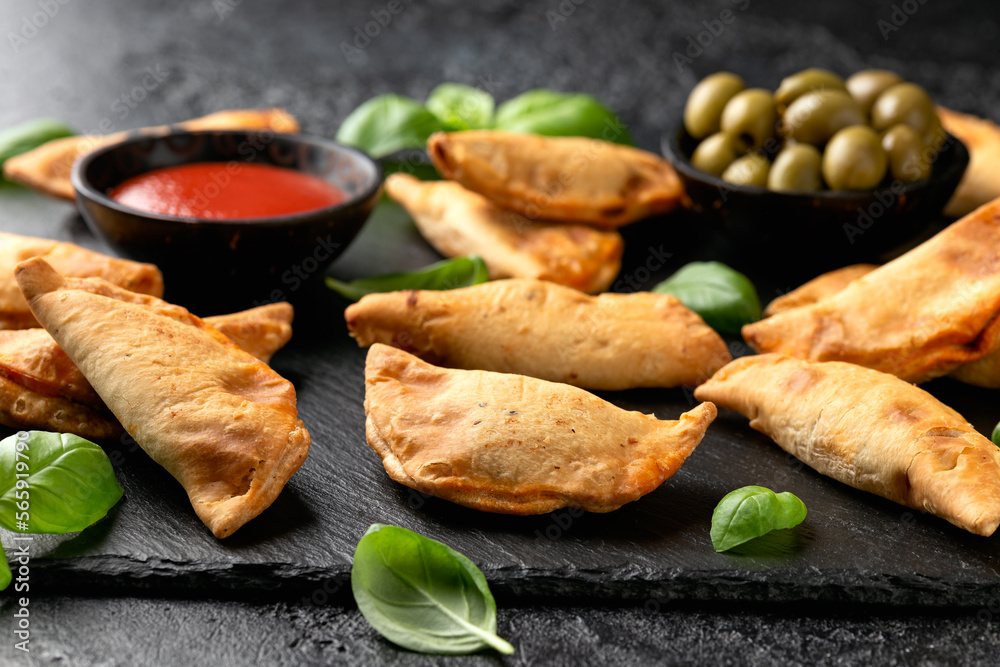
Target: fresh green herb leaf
61, 482
753, 511
5, 575
561, 114
725, 299
389, 123
445, 275
422, 594
996, 435
461, 107
30, 134
425, 171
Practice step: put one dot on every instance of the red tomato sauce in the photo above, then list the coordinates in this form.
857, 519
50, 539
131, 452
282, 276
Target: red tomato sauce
221, 190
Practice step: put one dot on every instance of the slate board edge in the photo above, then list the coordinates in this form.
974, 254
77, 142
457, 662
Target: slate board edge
626, 585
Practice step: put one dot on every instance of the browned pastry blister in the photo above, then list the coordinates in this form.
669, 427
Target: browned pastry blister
870, 430
459, 222
47, 168
569, 179
70, 260
918, 317
218, 419
511, 444
981, 181
547, 331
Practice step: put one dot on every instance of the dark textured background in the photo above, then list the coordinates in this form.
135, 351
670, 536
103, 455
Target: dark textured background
637, 585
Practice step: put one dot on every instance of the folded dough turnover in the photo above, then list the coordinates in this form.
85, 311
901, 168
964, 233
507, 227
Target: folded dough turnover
218, 419
547, 331
516, 445
68, 259
41, 387
981, 182
917, 317
459, 222
984, 372
570, 179
47, 168
870, 430
818, 288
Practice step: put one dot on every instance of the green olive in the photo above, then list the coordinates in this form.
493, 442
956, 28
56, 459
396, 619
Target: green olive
751, 169
854, 159
817, 115
750, 118
905, 149
794, 86
714, 154
904, 103
703, 110
935, 136
796, 169
865, 86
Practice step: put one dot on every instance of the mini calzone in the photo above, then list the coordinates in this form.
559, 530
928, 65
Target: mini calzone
460, 222
547, 331
981, 181
870, 430
217, 418
570, 179
516, 445
48, 167
41, 388
68, 259
918, 317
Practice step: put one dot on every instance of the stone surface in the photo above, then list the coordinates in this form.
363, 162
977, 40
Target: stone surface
652, 554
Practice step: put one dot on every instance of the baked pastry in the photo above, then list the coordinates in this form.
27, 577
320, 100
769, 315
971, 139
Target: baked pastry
47, 168
547, 331
918, 317
41, 388
984, 372
459, 222
516, 445
870, 430
981, 182
70, 260
218, 419
818, 288
570, 179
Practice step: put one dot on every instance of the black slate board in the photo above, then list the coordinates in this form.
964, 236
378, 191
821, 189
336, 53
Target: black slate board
853, 547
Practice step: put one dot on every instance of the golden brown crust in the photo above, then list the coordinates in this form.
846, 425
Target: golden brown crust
458, 222
569, 179
981, 182
547, 331
918, 317
870, 430
68, 259
23, 408
47, 168
818, 288
219, 420
516, 445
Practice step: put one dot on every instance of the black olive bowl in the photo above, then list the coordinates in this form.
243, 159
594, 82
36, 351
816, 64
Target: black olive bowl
807, 233
221, 264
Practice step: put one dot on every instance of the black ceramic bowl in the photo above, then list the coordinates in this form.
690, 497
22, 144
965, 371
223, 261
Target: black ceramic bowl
229, 263
817, 231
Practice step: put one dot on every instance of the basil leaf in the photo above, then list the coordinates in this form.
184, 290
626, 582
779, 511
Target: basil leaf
30, 134
461, 107
61, 481
5, 575
422, 594
753, 511
445, 275
421, 170
725, 299
389, 123
996, 435
561, 114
